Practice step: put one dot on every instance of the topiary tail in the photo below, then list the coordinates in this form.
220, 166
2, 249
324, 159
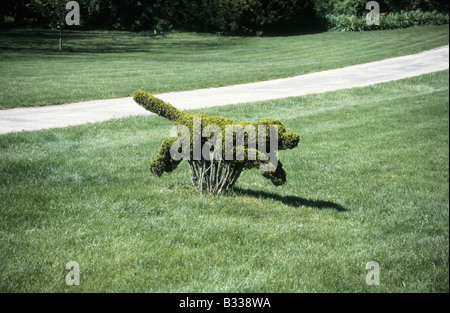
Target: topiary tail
156, 105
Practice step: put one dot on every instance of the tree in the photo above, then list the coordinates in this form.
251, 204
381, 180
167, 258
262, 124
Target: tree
57, 15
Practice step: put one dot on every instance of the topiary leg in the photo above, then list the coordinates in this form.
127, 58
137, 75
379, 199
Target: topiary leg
277, 177
164, 162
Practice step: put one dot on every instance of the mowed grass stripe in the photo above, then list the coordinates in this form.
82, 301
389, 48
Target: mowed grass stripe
107, 64
369, 182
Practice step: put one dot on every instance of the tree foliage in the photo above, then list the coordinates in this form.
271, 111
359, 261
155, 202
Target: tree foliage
223, 16
358, 7
51, 11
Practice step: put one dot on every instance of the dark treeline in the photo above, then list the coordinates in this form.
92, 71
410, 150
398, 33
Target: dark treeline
224, 16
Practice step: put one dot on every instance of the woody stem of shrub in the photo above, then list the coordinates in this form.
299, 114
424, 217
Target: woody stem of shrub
214, 176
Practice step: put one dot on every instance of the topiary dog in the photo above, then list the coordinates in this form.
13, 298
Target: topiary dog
217, 173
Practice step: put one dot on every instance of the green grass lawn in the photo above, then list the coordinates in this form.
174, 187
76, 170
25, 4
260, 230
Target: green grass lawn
107, 64
368, 182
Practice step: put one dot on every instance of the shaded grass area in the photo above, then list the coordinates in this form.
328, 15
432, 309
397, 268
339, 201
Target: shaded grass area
109, 64
368, 182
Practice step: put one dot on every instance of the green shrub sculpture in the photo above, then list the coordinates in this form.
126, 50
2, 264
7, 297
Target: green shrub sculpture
216, 172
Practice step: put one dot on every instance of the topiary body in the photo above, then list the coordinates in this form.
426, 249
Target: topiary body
216, 174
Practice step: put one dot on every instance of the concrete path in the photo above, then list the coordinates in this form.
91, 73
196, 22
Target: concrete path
20, 119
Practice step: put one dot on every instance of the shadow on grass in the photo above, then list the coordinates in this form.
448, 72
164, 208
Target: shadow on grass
293, 201
91, 41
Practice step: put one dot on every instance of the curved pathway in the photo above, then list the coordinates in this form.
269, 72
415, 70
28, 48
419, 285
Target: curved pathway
367, 74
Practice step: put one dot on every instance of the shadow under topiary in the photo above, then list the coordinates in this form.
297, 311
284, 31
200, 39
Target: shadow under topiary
213, 170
